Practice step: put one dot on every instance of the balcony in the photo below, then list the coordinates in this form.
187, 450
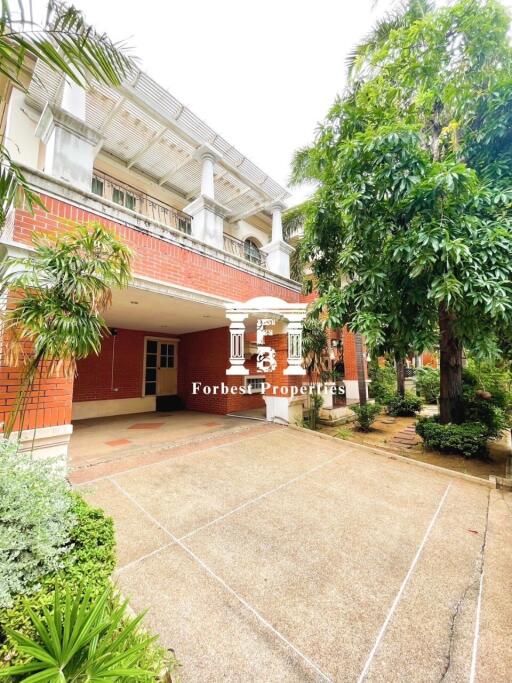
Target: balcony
130, 198
246, 250
133, 199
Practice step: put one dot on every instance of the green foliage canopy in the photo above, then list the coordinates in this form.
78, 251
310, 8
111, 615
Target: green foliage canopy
414, 165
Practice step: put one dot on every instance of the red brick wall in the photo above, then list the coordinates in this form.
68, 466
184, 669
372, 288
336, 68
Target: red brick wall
51, 403
94, 374
158, 259
204, 357
48, 404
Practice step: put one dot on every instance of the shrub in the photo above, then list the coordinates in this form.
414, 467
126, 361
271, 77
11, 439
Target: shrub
399, 406
383, 383
82, 638
428, 384
494, 418
365, 415
468, 439
36, 520
91, 557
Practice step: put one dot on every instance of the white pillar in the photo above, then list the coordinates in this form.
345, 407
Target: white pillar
71, 144
207, 214
278, 251
295, 344
207, 180
237, 343
73, 99
277, 222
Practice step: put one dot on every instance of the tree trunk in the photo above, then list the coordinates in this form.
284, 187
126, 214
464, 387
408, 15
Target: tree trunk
450, 402
400, 377
361, 377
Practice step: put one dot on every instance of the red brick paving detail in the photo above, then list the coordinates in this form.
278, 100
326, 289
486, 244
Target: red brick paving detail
147, 425
118, 442
108, 469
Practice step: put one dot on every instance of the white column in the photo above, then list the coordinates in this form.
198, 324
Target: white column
295, 344
71, 144
73, 99
207, 214
278, 251
237, 342
277, 221
207, 179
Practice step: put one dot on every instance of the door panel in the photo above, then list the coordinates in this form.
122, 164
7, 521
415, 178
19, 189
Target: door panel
167, 369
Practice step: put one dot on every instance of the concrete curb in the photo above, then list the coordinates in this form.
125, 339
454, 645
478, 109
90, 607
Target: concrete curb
490, 484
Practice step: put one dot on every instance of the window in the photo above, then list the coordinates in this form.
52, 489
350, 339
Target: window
251, 251
166, 355
123, 198
97, 186
254, 385
151, 366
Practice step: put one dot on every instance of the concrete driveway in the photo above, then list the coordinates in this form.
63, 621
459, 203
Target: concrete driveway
272, 554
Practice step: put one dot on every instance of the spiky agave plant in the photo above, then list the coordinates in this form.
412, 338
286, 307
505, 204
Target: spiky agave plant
81, 639
57, 298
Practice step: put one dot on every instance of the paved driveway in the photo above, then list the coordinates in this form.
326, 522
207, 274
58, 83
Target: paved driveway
275, 555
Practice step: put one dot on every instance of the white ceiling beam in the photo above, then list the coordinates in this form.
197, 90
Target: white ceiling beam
236, 195
174, 170
156, 138
256, 209
216, 176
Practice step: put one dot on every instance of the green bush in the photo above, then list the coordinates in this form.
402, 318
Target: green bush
488, 376
36, 520
494, 418
468, 439
405, 406
428, 384
366, 415
91, 558
383, 383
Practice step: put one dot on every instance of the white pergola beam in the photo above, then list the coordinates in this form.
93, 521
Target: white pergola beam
256, 209
156, 138
174, 170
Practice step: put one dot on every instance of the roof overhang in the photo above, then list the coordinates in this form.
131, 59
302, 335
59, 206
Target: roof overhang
145, 128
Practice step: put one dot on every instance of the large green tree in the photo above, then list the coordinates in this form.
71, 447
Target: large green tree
410, 231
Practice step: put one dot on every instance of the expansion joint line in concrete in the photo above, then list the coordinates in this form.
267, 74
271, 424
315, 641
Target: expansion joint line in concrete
226, 586
476, 637
398, 596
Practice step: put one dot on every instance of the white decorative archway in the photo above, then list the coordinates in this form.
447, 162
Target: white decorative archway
263, 307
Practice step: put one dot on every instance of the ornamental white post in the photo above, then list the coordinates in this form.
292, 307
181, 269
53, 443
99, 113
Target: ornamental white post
207, 180
295, 344
237, 341
278, 251
277, 221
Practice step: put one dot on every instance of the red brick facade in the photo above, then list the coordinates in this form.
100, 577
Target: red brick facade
202, 356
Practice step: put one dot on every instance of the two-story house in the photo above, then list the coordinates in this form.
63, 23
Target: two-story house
203, 223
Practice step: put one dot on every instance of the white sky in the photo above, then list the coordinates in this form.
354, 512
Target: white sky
262, 73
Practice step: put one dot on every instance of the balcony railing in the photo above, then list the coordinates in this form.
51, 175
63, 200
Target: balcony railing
246, 250
135, 200
129, 197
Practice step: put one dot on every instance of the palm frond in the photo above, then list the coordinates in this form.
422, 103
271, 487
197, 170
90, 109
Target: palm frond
13, 184
64, 42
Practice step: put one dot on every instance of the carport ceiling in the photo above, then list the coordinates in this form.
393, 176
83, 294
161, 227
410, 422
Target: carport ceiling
136, 309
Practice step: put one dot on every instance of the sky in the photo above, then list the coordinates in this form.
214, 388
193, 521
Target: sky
262, 74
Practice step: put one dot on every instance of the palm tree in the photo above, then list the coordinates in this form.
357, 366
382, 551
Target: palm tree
57, 297
65, 43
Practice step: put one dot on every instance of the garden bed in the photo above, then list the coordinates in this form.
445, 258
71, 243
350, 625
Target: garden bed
384, 431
